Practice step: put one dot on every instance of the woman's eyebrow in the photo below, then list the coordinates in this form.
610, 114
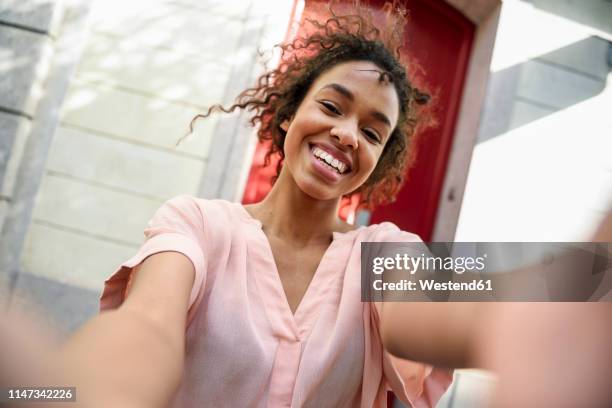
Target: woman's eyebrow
381, 117
341, 89
344, 91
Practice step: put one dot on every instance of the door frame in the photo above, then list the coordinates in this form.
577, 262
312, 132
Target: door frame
485, 15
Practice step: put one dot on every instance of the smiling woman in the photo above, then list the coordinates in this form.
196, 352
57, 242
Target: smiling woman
340, 115
266, 297
392, 118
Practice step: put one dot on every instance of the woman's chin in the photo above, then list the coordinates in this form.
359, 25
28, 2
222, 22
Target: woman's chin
318, 192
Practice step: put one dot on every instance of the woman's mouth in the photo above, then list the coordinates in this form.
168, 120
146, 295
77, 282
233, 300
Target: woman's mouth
330, 160
326, 165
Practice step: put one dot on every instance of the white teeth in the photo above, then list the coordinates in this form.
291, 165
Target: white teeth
330, 160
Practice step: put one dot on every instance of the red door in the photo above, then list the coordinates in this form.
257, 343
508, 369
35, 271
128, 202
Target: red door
440, 39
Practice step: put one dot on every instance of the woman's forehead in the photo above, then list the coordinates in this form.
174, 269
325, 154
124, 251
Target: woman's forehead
362, 80
355, 70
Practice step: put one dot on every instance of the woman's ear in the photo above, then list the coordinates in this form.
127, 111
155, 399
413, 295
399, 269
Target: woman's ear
286, 123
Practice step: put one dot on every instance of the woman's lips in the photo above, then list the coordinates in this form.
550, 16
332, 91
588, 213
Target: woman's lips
336, 154
323, 169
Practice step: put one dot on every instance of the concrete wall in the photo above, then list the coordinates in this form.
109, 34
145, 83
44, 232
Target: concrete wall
27, 39
29, 44
541, 170
144, 70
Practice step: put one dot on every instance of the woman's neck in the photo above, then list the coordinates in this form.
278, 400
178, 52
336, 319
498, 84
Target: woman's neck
288, 213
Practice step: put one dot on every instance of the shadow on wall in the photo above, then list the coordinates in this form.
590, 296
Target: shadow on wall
525, 92
26, 29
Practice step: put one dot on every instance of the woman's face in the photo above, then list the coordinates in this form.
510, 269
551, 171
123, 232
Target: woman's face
338, 133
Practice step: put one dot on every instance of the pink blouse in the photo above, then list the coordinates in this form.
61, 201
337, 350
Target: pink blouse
244, 346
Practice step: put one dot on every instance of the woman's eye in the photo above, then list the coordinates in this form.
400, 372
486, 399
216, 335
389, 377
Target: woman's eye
372, 135
331, 107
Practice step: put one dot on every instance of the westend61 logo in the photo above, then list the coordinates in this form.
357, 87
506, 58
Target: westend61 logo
412, 264
486, 271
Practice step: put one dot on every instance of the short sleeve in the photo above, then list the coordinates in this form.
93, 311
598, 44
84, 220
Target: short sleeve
178, 226
417, 384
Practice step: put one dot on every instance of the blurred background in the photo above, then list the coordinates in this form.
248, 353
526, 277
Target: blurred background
95, 94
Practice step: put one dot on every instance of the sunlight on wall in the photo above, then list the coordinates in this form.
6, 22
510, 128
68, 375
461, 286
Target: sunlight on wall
541, 170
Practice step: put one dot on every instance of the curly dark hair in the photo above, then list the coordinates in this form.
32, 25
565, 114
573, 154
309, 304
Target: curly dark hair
341, 38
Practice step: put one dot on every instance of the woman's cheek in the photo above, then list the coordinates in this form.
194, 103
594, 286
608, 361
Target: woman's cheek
369, 161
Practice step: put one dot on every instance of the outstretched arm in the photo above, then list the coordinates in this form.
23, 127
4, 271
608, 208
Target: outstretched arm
545, 354
441, 334
128, 357
133, 356
450, 334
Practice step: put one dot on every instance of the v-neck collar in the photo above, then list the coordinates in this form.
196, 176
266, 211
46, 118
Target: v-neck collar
286, 324
336, 235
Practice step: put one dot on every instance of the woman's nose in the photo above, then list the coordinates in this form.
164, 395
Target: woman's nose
345, 136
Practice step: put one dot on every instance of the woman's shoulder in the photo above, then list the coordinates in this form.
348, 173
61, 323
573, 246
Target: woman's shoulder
387, 231
207, 207
208, 214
